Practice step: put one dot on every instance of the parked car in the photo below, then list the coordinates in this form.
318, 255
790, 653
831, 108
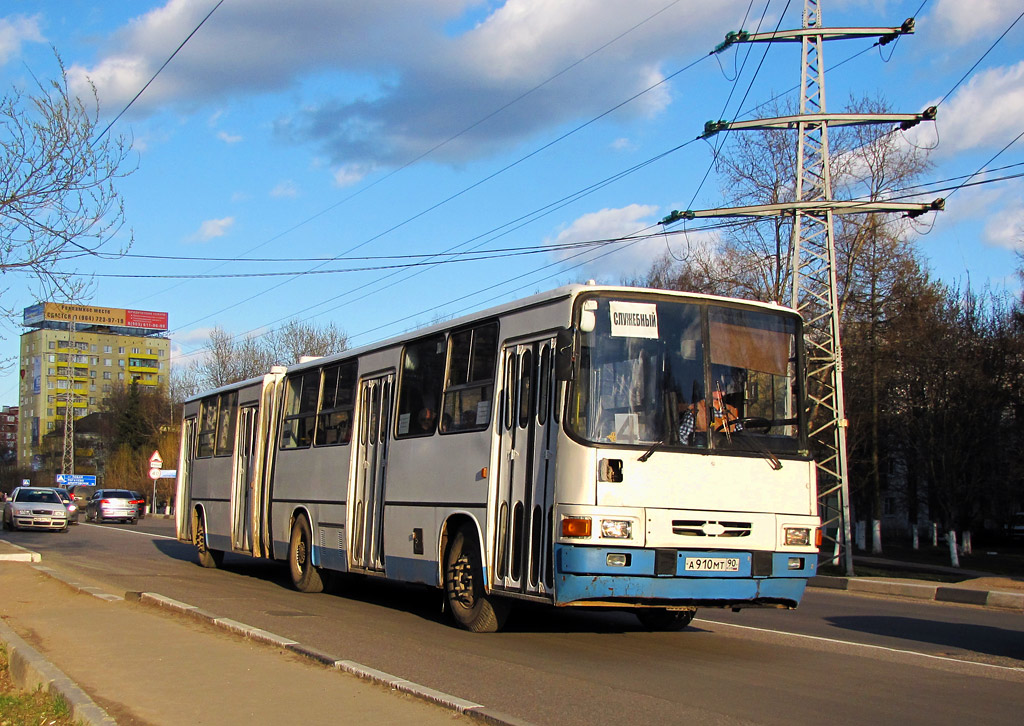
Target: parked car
69, 504
35, 508
111, 504
82, 493
140, 502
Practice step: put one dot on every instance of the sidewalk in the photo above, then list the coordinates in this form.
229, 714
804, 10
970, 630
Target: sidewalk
125, 662
982, 588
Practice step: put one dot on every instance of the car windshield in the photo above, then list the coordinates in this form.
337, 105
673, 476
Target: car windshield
686, 374
38, 496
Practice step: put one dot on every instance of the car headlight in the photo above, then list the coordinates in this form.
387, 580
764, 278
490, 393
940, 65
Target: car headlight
798, 536
616, 528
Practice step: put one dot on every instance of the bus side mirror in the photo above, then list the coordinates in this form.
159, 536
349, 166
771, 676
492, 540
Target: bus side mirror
565, 354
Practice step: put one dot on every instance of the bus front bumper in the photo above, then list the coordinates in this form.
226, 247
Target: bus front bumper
602, 576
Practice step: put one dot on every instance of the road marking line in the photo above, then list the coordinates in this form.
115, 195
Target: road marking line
861, 645
130, 531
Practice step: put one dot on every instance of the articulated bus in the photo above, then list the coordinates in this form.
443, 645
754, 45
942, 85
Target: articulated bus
591, 446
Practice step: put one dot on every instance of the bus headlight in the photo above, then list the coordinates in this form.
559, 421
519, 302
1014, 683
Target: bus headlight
616, 528
798, 536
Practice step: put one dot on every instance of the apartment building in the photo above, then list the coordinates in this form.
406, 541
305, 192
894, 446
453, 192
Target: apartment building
78, 355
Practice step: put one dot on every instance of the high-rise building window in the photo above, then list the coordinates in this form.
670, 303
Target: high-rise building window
107, 349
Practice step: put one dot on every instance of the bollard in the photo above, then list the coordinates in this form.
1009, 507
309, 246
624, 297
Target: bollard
916, 538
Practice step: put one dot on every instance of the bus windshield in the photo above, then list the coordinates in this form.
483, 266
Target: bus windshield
686, 375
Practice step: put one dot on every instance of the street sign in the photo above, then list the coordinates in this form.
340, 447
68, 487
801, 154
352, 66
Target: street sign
168, 473
155, 473
71, 480
155, 461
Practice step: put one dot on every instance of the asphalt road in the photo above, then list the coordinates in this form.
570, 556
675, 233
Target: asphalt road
839, 658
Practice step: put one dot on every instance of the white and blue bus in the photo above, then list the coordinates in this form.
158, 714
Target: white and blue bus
590, 446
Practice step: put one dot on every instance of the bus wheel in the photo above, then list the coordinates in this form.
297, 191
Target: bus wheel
305, 576
464, 587
660, 619
206, 556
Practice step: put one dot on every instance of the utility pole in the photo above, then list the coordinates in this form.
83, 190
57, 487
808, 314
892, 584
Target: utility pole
68, 460
814, 292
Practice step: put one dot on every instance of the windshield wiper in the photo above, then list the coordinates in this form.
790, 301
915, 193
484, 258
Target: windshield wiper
650, 452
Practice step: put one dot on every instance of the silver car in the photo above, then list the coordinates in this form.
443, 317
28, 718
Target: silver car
35, 508
106, 504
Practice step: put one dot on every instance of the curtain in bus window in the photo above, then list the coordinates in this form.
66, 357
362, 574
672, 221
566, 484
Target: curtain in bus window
469, 386
334, 425
419, 389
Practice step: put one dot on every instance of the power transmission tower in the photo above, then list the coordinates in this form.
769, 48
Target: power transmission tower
815, 293
68, 460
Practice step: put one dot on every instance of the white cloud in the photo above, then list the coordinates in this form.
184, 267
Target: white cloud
14, 32
629, 259
286, 189
1000, 92
960, 22
623, 144
228, 138
212, 228
349, 174
419, 81
1005, 225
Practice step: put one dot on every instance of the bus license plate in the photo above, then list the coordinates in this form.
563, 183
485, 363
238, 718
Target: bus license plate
713, 564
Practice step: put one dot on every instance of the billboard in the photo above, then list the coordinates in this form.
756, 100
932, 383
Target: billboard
90, 315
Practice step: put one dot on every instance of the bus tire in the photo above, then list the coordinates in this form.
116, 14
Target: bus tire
305, 577
662, 620
205, 556
464, 586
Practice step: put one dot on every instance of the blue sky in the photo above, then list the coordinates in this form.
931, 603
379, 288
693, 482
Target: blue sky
335, 128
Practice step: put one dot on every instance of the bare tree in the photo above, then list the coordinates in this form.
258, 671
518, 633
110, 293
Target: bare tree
58, 198
227, 359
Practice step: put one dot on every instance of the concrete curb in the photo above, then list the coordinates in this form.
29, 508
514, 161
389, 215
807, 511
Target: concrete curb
31, 671
469, 708
935, 593
23, 556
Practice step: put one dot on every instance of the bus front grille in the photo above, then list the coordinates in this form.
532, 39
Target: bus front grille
710, 528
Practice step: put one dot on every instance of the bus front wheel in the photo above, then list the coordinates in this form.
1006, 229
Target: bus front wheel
662, 620
464, 587
206, 556
305, 576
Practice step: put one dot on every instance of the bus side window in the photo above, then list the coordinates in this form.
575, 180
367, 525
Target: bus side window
300, 410
469, 385
419, 390
334, 424
207, 427
227, 407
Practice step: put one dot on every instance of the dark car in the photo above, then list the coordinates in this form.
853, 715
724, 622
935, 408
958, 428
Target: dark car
69, 504
35, 508
112, 504
82, 493
140, 502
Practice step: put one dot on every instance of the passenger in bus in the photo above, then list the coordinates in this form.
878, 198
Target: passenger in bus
426, 420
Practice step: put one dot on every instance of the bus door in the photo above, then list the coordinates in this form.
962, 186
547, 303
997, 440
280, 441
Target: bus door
245, 480
367, 528
183, 503
526, 477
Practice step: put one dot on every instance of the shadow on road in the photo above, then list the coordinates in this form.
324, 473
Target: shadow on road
956, 636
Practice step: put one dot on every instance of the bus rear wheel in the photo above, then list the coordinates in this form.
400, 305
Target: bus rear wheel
206, 556
663, 620
305, 576
464, 587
